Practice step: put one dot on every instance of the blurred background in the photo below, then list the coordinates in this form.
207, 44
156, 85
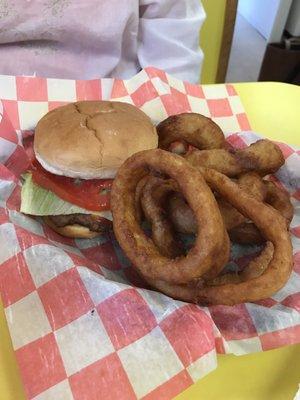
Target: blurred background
251, 40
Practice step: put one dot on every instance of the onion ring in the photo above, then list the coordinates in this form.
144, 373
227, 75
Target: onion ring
137, 197
280, 200
263, 157
181, 215
191, 128
163, 235
220, 260
257, 266
183, 218
231, 216
140, 249
273, 227
247, 233
153, 196
253, 184
254, 269
240, 230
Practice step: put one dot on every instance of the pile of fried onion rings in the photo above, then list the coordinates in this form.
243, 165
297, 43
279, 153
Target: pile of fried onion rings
211, 191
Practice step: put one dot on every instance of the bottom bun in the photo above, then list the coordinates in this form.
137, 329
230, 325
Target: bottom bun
73, 231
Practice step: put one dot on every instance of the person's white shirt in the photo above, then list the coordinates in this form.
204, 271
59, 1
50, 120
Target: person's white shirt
101, 38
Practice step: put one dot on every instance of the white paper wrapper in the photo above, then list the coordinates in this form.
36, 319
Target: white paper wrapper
81, 325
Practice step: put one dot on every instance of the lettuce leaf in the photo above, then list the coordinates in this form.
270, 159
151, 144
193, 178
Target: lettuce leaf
36, 200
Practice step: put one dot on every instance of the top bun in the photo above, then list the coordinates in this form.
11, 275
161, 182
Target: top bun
91, 139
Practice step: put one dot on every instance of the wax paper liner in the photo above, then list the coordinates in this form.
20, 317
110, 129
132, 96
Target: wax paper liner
81, 325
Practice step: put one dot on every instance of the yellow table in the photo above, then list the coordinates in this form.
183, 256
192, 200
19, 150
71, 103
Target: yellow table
273, 110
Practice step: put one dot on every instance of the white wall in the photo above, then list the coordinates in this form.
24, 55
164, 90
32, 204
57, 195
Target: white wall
267, 16
293, 22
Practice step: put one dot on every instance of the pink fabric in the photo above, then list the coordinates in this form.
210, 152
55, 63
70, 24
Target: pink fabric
85, 39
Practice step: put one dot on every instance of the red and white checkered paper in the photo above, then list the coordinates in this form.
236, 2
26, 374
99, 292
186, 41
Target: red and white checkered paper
81, 325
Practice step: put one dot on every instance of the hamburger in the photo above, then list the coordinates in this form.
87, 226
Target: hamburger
78, 149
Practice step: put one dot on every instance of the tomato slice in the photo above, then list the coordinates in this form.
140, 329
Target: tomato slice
92, 194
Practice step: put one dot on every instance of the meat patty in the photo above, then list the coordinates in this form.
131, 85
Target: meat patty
91, 221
